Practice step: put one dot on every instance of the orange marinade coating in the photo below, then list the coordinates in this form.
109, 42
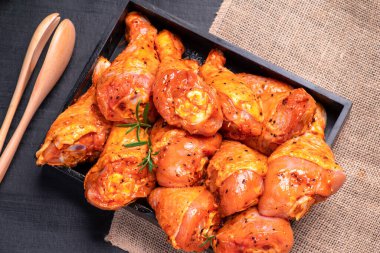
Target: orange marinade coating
250, 232
263, 85
117, 179
79, 133
240, 106
181, 157
235, 175
187, 215
318, 123
180, 95
287, 113
301, 172
130, 77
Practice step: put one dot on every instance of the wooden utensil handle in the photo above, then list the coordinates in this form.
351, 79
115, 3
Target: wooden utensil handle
36, 45
57, 58
9, 152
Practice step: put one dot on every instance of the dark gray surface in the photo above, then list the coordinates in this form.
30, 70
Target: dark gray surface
41, 210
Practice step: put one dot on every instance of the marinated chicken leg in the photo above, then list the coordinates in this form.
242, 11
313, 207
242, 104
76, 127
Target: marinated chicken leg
189, 216
301, 172
287, 113
79, 133
251, 232
181, 157
130, 77
117, 179
235, 176
180, 95
240, 106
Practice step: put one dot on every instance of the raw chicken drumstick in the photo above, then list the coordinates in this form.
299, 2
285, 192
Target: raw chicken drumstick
287, 113
240, 106
250, 232
181, 158
189, 216
130, 77
301, 172
235, 175
117, 179
79, 133
180, 95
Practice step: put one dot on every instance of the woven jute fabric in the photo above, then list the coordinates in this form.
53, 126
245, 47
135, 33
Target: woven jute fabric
136, 235
336, 45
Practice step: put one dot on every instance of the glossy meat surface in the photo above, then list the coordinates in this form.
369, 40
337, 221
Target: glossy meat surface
240, 106
250, 232
318, 123
116, 179
79, 133
182, 157
301, 172
263, 85
130, 77
180, 95
187, 215
235, 175
287, 113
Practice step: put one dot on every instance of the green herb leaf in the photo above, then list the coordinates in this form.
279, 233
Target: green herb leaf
150, 166
208, 240
145, 113
130, 130
143, 163
127, 125
135, 144
147, 161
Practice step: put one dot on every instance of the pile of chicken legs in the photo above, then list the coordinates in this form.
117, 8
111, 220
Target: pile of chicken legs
234, 157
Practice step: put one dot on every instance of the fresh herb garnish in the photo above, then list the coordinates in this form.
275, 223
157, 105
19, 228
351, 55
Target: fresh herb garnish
208, 240
147, 161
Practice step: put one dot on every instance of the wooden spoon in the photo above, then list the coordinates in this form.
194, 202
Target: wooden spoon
37, 43
57, 58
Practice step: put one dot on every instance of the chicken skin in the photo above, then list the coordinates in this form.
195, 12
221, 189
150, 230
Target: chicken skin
318, 123
263, 85
287, 113
117, 179
181, 157
250, 232
235, 175
180, 95
301, 172
79, 133
130, 77
241, 108
189, 216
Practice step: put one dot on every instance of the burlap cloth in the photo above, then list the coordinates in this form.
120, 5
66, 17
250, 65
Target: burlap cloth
336, 45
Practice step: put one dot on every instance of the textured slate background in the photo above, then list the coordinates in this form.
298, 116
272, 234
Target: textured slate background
42, 210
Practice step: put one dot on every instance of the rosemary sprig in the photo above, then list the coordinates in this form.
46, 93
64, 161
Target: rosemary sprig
208, 240
147, 161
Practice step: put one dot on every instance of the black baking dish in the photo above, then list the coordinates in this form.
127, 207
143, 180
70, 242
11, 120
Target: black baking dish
198, 44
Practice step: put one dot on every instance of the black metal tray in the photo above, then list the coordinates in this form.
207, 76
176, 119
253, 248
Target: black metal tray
198, 44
